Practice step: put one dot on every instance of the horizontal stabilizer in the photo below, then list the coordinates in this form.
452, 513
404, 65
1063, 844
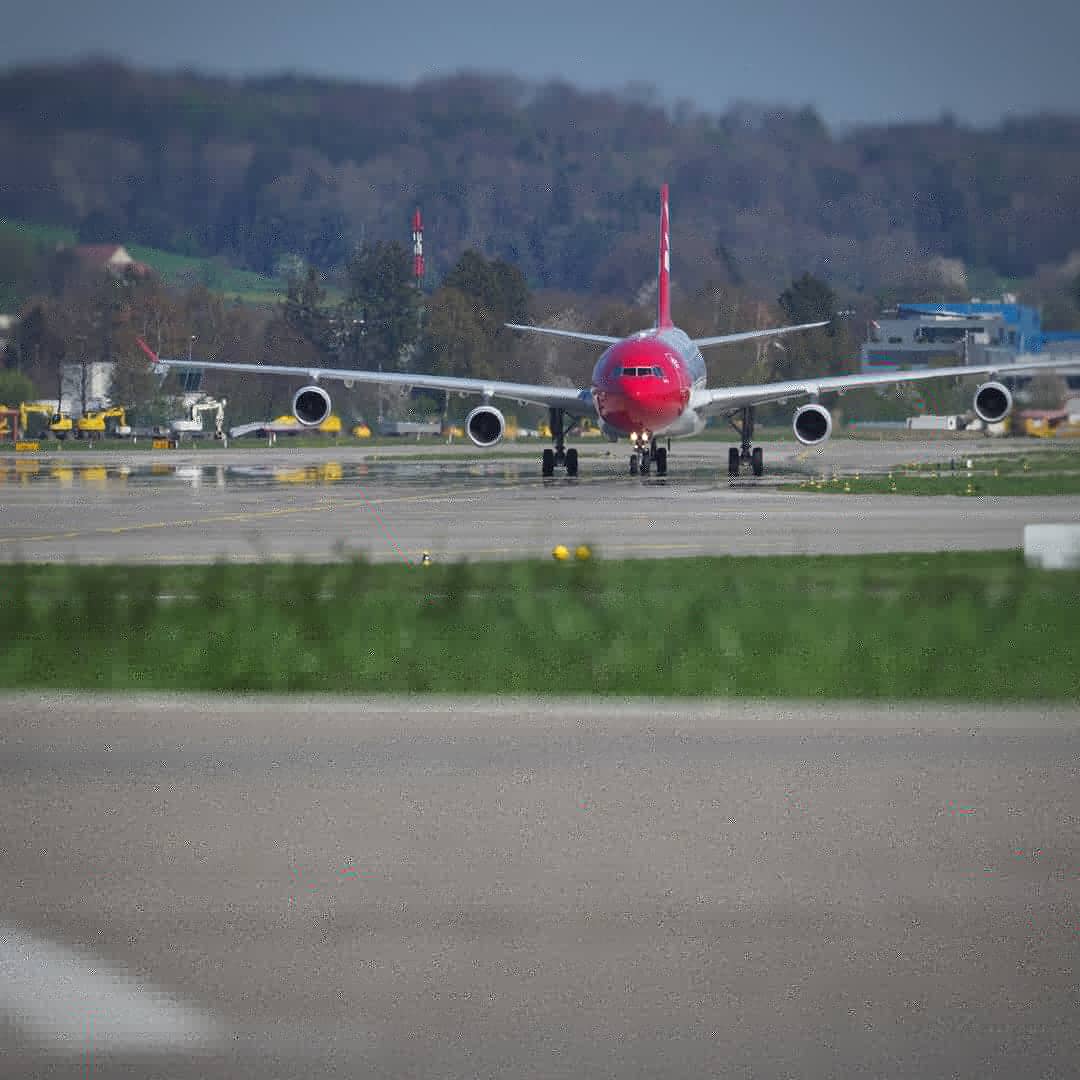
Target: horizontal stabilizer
578, 335
749, 335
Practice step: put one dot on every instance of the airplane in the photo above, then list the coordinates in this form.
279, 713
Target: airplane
649, 387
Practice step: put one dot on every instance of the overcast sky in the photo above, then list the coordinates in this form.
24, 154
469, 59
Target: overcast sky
856, 60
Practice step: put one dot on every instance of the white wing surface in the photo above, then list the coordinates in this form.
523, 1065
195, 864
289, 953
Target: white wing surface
749, 335
579, 402
725, 398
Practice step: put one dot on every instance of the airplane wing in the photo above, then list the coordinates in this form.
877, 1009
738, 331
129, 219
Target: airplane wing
727, 398
749, 335
579, 402
577, 335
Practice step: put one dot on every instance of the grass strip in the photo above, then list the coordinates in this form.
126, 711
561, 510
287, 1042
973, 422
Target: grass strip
978, 626
947, 482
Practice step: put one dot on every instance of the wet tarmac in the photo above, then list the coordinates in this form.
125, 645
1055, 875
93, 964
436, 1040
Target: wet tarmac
378, 503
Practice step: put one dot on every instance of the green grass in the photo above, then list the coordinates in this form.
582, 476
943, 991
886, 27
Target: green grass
946, 482
977, 627
174, 268
1043, 472
49, 235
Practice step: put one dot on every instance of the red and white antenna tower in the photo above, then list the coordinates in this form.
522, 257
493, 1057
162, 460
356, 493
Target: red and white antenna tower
418, 248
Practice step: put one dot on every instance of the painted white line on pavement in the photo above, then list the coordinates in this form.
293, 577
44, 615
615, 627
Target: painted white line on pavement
70, 1001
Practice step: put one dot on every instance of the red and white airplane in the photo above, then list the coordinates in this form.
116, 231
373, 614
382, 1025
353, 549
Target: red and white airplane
649, 387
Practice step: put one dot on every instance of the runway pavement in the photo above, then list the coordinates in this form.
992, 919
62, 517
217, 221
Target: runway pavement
222, 887
321, 504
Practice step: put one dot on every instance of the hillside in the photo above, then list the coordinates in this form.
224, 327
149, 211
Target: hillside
559, 181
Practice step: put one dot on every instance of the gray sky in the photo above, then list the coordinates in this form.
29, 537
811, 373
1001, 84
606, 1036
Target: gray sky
856, 60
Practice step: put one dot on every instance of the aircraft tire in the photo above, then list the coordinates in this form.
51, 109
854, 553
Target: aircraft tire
757, 461
571, 462
547, 468
633, 464
661, 462
733, 462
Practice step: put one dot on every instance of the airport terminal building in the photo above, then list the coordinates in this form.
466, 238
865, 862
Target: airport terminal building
917, 336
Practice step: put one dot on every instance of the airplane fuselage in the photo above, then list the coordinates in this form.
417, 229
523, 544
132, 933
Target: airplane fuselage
644, 384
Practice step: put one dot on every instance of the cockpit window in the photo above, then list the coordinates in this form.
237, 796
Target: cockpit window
637, 372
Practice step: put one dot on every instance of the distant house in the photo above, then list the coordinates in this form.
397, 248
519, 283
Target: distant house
112, 257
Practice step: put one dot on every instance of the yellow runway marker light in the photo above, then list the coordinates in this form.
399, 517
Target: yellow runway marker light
582, 552
560, 553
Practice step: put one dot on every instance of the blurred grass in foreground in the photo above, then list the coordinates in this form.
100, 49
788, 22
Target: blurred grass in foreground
972, 625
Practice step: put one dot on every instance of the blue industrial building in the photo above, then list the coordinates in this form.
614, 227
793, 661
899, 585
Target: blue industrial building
942, 335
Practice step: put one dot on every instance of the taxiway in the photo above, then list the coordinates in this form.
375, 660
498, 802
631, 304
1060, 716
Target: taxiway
459, 504
195, 887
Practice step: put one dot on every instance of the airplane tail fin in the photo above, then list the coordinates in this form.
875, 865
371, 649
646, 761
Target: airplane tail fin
663, 290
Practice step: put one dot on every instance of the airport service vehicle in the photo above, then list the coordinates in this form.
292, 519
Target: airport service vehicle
98, 423
58, 424
649, 387
193, 424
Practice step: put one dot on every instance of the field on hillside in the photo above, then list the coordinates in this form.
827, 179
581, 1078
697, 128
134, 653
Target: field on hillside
179, 270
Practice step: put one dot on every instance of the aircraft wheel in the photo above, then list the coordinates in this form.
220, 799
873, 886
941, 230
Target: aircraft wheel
548, 466
646, 463
571, 462
633, 464
757, 461
661, 462
733, 462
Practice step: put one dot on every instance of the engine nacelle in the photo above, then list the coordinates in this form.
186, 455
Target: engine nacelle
485, 425
993, 402
812, 424
311, 405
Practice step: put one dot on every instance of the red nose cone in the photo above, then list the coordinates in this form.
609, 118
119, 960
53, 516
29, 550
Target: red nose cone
640, 387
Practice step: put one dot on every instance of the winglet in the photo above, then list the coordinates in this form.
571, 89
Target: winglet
663, 292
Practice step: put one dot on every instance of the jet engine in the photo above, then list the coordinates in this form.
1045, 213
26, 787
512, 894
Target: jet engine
812, 424
311, 405
485, 425
993, 402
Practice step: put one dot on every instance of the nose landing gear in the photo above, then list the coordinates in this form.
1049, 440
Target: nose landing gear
744, 454
646, 453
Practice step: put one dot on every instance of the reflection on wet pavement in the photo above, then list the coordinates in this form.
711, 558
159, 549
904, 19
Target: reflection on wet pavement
407, 473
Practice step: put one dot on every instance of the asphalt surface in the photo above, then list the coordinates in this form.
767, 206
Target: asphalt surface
455, 503
200, 887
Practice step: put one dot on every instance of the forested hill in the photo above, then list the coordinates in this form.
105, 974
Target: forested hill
560, 181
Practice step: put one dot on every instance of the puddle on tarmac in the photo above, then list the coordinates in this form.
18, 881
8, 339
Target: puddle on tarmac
257, 475
420, 474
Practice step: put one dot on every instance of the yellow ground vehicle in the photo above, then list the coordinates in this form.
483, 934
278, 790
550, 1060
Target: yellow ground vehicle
33, 408
61, 425
97, 423
330, 426
361, 431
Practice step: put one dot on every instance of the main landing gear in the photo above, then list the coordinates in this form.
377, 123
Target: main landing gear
560, 455
744, 454
646, 454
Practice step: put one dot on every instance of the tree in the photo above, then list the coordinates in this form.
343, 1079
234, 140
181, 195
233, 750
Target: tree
304, 308
455, 339
384, 302
808, 299
825, 351
15, 388
20, 269
494, 293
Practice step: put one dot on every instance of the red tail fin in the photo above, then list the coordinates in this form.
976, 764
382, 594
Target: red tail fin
663, 292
